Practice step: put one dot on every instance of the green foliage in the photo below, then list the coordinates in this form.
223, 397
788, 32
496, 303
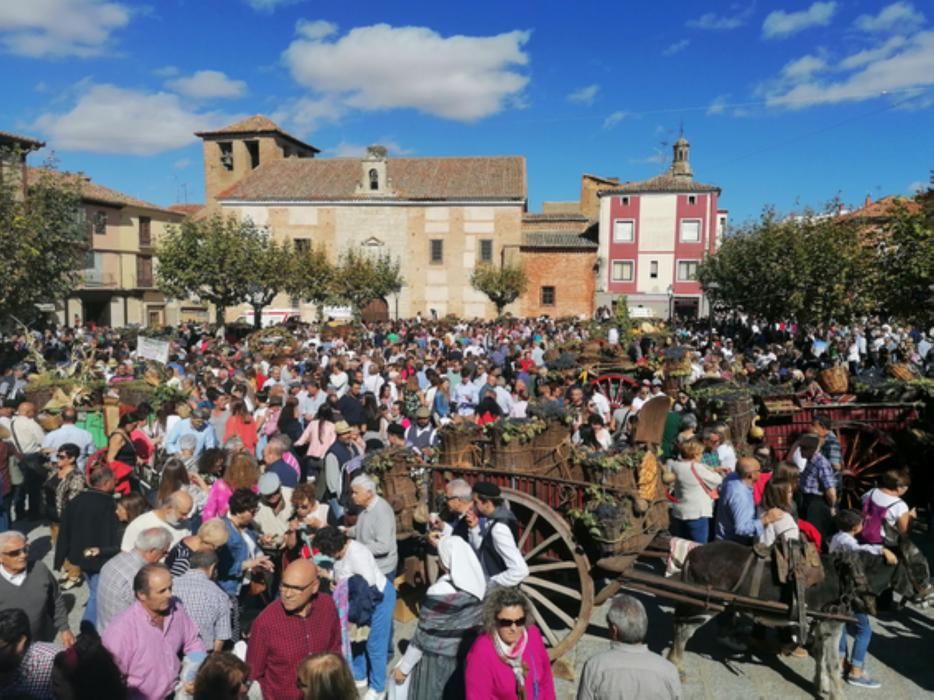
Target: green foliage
520, 430
906, 265
310, 275
818, 269
208, 259
502, 285
43, 239
360, 277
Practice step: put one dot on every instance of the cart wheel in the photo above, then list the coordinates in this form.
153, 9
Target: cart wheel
614, 387
559, 586
867, 454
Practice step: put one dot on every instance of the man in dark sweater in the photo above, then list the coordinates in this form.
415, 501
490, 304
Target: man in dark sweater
32, 588
89, 535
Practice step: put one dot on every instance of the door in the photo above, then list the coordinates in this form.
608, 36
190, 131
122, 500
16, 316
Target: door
376, 310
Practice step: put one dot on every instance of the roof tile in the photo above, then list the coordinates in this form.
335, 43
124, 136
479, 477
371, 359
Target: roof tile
93, 191
433, 179
557, 239
666, 182
9, 136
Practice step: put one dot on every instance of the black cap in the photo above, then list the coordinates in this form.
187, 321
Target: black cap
487, 490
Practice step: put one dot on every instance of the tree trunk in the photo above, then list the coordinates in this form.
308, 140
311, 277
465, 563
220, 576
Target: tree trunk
219, 310
258, 315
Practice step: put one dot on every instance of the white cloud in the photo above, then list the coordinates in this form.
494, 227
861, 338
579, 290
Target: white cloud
804, 67
318, 29
918, 187
56, 28
270, 5
383, 67
899, 16
867, 56
659, 157
207, 85
182, 163
908, 69
166, 72
345, 149
718, 106
584, 95
779, 24
307, 114
712, 20
676, 47
110, 119
614, 119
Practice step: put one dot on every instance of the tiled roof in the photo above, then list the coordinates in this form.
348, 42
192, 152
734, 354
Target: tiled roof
90, 190
257, 124
666, 182
556, 239
186, 209
884, 208
553, 216
432, 179
28, 140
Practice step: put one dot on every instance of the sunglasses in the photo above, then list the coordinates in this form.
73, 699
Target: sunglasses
504, 622
22, 551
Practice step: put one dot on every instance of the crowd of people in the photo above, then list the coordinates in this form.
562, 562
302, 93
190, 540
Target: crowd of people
232, 543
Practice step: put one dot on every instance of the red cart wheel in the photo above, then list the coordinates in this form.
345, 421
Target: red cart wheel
867, 454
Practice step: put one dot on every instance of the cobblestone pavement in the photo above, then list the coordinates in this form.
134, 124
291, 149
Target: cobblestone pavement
899, 654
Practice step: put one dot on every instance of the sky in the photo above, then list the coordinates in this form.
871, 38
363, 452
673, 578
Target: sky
786, 103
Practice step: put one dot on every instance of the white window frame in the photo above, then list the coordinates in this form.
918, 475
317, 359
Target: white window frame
700, 229
632, 270
678, 276
632, 236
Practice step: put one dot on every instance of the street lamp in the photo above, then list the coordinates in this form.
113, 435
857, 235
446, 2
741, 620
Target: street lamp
710, 286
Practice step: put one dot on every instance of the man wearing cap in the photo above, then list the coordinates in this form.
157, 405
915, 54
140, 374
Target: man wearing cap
342, 451
493, 532
198, 426
421, 434
275, 508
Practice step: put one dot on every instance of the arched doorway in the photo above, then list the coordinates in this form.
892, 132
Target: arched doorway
377, 310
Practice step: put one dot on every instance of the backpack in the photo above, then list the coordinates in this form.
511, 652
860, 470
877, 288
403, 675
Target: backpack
874, 520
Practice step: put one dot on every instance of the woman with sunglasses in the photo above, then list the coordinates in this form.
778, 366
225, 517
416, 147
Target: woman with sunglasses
66, 482
509, 661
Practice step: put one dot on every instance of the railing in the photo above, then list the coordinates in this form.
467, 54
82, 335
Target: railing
98, 278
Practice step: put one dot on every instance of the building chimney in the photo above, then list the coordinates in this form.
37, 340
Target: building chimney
868, 201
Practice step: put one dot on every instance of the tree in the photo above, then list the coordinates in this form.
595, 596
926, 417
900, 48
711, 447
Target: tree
502, 285
812, 270
211, 260
269, 274
310, 275
906, 263
360, 277
43, 238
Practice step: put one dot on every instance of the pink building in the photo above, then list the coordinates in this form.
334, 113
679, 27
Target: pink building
653, 235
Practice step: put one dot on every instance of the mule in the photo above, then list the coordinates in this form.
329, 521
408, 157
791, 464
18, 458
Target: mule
852, 581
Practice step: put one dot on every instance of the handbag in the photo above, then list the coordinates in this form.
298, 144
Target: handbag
714, 493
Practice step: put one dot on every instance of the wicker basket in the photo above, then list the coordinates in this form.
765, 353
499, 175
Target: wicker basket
458, 447
834, 380
901, 372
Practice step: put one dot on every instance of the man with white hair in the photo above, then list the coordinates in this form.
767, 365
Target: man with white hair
628, 670
173, 510
115, 588
32, 588
376, 525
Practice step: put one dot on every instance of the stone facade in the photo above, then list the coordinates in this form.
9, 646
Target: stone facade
13, 152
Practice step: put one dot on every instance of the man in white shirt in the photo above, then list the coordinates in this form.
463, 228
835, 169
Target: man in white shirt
69, 432
171, 513
27, 436
493, 530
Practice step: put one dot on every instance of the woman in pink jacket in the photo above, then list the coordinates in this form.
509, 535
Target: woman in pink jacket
509, 661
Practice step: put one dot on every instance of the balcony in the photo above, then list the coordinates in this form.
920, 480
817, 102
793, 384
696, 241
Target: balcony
97, 279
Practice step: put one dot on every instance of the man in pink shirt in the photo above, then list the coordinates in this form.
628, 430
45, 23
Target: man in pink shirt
148, 638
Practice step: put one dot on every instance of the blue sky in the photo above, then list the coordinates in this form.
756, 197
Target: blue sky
786, 103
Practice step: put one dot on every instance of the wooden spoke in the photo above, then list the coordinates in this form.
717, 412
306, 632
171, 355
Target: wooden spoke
541, 598
529, 528
555, 566
546, 630
542, 545
556, 587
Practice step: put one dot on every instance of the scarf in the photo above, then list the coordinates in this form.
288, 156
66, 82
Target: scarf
512, 656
